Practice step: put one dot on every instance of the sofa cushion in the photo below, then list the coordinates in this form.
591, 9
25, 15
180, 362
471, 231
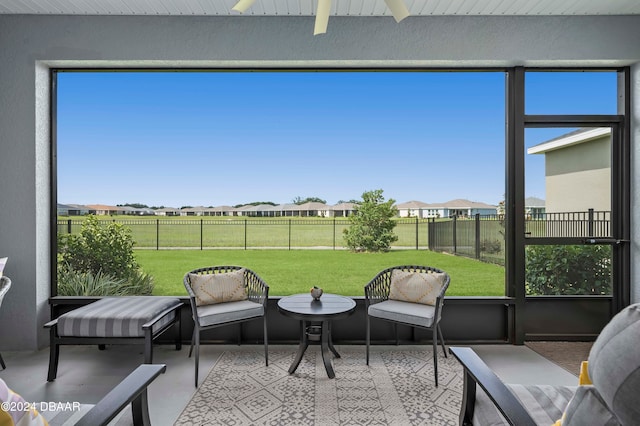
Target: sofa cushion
544, 403
587, 408
16, 411
415, 287
222, 287
614, 364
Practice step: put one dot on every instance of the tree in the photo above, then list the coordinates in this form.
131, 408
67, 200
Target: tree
372, 224
134, 205
299, 200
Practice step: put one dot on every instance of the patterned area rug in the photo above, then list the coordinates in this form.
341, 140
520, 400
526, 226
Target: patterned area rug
397, 388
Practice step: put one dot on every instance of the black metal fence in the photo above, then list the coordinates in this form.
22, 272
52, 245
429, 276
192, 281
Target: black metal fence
482, 237
245, 234
571, 224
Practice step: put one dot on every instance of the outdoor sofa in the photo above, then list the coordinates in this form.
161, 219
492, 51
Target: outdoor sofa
606, 393
132, 390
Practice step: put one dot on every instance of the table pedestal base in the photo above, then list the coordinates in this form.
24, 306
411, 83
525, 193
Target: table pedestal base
316, 333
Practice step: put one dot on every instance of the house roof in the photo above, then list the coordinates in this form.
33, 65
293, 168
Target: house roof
568, 139
194, 209
313, 205
257, 208
461, 203
344, 206
413, 205
534, 202
103, 207
222, 209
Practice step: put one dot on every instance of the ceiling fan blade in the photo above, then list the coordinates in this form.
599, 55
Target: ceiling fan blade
243, 5
398, 9
322, 17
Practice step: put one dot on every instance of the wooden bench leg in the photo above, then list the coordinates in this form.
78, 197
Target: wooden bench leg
54, 354
148, 347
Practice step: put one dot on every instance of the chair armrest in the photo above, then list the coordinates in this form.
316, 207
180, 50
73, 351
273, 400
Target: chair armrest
377, 290
257, 289
132, 390
476, 372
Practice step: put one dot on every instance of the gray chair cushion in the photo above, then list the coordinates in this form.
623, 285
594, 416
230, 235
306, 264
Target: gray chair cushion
406, 312
544, 403
116, 317
614, 364
227, 312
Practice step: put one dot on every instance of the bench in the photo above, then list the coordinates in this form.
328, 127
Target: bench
115, 320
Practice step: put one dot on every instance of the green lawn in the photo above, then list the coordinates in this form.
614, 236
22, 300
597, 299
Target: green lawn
336, 271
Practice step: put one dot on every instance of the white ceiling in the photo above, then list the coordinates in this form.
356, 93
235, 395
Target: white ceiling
308, 7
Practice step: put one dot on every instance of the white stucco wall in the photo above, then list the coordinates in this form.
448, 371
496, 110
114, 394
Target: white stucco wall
578, 177
29, 45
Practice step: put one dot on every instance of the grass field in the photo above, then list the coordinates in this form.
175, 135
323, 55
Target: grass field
336, 271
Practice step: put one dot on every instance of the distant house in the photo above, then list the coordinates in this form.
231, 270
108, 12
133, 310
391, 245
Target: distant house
534, 208
287, 210
577, 170
260, 210
72, 210
193, 211
342, 209
414, 209
222, 211
314, 209
135, 211
104, 210
167, 211
461, 208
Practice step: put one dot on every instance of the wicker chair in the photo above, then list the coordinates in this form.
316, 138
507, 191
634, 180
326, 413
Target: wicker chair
5, 285
379, 306
236, 312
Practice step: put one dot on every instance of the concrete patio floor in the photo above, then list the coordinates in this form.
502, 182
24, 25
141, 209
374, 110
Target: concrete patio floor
86, 374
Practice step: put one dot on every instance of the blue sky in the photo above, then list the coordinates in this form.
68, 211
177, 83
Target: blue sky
227, 138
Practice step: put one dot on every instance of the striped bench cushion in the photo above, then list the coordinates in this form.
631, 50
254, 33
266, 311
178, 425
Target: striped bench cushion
116, 317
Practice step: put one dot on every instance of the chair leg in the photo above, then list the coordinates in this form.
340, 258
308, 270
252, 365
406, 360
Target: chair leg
197, 360
444, 347
266, 343
54, 354
193, 337
368, 337
435, 353
2, 362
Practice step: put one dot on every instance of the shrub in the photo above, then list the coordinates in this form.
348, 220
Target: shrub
491, 246
99, 248
74, 283
371, 225
568, 270
100, 257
